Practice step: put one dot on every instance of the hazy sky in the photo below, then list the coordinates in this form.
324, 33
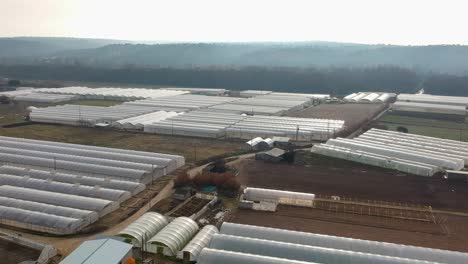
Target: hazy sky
362, 21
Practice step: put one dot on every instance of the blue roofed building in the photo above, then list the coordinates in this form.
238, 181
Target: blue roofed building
100, 251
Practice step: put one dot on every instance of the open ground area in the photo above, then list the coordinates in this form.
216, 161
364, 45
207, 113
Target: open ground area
14, 253
354, 115
327, 177
427, 127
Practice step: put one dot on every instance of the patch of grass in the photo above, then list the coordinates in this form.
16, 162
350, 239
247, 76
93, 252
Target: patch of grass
427, 127
191, 148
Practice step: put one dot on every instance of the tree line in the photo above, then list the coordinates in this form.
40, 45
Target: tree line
335, 81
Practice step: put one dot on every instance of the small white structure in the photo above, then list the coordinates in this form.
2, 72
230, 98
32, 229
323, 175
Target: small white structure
252, 144
279, 197
144, 228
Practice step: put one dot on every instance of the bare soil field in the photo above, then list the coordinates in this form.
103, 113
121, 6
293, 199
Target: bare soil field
355, 226
14, 253
354, 115
325, 176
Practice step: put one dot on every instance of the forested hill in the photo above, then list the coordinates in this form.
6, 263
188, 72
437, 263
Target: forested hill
437, 59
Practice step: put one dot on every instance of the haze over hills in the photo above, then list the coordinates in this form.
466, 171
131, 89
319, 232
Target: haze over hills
449, 59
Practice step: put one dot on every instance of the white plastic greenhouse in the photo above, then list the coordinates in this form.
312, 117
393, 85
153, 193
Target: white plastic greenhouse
65, 188
429, 108
173, 237
434, 99
301, 252
88, 216
112, 93
343, 243
215, 256
191, 251
102, 207
38, 221
132, 187
279, 196
144, 228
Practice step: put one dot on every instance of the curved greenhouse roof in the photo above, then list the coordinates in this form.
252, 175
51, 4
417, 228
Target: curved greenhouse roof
301, 252
358, 245
175, 236
88, 216
66, 188
215, 256
144, 228
39, 221
74, 201
200, 241
132, 187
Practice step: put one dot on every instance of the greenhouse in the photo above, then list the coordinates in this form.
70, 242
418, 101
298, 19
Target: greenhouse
45, 98
343, 243
300, 252
102, 207
118, 154
434, 99
66, 188
278, 196
215, 256
139, 122
416, 168
252, 144
132, 187
173, 237
368, 97
429, 108
37, 221
112, 93
191, 251
144, 228
88, 216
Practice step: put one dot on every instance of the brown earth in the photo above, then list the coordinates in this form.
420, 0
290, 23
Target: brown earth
14, 253
347, 179
351, 180
354, 115
410, 233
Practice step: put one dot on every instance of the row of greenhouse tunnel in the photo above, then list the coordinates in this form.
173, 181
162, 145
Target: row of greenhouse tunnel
183, 239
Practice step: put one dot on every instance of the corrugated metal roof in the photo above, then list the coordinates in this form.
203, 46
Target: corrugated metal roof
101, 251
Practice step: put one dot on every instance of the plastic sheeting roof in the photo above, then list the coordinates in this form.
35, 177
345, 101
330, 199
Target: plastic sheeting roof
60, 199
358, 245
144, 227
215, 256
301, 252
100, 251
200, 241
278, 196
176, 235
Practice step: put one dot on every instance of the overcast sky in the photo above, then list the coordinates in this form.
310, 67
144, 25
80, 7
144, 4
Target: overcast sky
362, 21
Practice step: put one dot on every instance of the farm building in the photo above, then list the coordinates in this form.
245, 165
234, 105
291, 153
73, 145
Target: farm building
414, 154
100, 251
278, 197
173, 237
273, 155
369, 97
310, 247
191, 251
434, 99
61, 188
144, 228
252, 144
434, 111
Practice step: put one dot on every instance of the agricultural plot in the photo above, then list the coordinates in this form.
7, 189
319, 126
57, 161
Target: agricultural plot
425, 126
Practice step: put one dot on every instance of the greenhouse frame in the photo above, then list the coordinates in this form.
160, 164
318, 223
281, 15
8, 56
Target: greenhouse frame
144, 228
343, 243
215, 256
301, 252
173, 237
201, 240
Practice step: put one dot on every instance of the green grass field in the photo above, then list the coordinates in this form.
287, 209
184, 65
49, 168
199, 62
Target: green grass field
427, 127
